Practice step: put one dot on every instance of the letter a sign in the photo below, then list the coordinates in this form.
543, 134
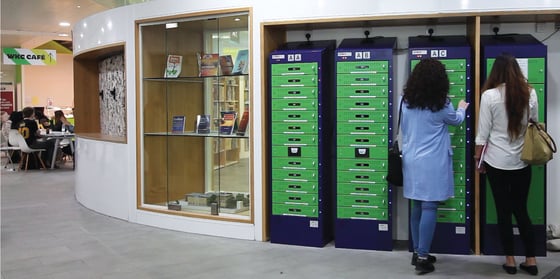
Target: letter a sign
22, 56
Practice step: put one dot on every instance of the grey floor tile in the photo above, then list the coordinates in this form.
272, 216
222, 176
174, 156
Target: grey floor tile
46, 233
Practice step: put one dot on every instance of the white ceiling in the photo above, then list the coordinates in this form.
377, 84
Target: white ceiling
30, 23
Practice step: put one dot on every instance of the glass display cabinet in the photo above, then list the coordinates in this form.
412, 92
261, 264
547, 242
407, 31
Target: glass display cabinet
194, 147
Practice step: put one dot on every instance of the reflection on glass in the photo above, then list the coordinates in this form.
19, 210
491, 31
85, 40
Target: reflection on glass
206, 168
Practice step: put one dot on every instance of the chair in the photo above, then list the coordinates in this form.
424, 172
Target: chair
9, 150
26, 150
12, 137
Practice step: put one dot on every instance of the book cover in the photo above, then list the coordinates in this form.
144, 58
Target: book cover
226, 64
178, 125
208, 64
173, 69
203, 124
243, 123
241, 65
227, 123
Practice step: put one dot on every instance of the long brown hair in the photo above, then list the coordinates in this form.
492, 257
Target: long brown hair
506, 70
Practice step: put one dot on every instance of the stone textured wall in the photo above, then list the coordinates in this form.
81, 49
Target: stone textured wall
112, 96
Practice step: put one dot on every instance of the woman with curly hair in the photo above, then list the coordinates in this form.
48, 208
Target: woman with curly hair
426, 152
506, 104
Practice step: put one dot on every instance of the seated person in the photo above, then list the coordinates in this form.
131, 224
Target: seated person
16, 117
43, 121
29, 129
60, 121
6, 123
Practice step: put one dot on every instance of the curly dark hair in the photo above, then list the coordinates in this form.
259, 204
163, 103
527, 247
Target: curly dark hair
428, 86
506, 70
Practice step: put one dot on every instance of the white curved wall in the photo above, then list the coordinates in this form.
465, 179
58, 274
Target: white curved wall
102, 177
106, 177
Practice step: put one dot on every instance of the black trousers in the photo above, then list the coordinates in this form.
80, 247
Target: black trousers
49, 146
510, 189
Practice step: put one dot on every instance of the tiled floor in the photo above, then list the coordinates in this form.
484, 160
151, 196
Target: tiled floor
46, 233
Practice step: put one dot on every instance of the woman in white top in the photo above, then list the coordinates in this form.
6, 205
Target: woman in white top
506, 104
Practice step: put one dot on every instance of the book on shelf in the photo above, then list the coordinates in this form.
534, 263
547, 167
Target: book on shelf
227, 123
173, 68
243, 124
178, 124
226, 64
241, 65
203, 124
208, 64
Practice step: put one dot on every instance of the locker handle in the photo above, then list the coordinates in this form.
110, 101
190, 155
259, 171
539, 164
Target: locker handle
362, 67
294, 163
294, 186
294, 210
362, 115
294, 115
294, 174
294, 128
361, 201
362, 79
294, 80
294, 139
294, 198
362, 165
362, 140
364, 91
294, 92
362, 189
362, 176
294, 69
362, 103
294, 104
362, 213
362, 128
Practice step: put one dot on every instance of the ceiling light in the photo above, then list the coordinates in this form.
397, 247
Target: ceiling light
236, 19
171, 25
63, 35
64, 23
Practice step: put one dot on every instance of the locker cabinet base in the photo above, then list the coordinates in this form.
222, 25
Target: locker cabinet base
301, 231
363, 234
450, 238
491, 244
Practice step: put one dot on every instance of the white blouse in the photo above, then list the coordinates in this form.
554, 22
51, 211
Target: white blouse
501, 152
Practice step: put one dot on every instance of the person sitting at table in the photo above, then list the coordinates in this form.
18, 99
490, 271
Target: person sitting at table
42, 120
6, 123
29, 129
60, 122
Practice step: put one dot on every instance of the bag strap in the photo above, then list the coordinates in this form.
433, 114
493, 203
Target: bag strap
399, 119
548, 139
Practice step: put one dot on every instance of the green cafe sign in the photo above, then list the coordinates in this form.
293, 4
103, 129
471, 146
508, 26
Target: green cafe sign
23, 56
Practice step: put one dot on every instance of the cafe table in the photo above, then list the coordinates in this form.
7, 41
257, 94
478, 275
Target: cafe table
59, 136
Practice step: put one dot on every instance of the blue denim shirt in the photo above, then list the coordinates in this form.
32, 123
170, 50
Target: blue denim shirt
427, 152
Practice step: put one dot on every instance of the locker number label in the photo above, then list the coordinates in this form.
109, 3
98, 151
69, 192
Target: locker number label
435, 53
313, 224
460, 230
383, 227
294, 57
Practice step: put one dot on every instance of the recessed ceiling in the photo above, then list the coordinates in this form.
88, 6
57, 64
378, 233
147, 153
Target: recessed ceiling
29, 24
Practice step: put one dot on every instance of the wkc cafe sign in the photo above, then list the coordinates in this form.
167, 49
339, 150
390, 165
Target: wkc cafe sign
22, 56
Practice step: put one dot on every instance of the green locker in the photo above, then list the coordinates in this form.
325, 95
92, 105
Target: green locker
362, 213
362, 189
362, 91
295, 186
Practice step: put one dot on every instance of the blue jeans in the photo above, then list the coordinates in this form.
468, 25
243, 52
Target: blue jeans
423, 225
